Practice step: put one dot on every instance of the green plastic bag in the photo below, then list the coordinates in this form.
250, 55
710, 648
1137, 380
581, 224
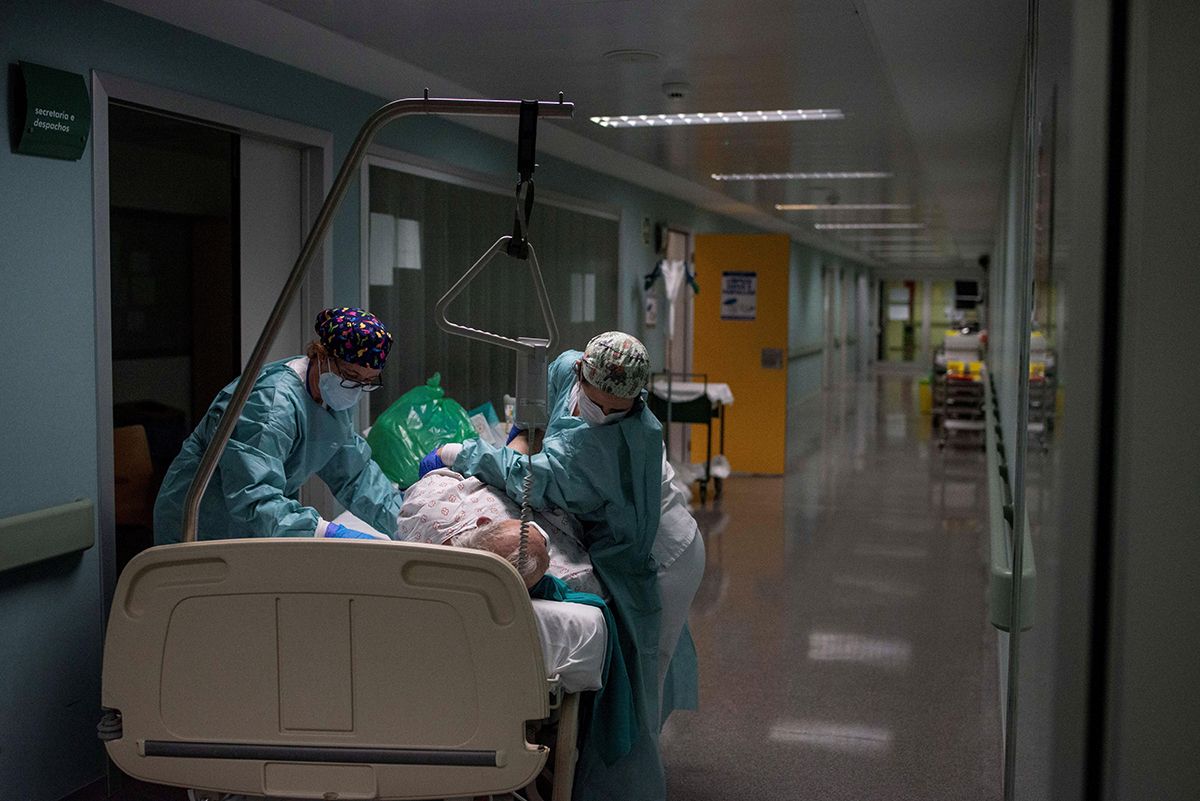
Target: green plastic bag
419, 421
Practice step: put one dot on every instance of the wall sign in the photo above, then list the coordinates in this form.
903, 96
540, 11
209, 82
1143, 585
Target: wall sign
739, 295
57, 112
650, 308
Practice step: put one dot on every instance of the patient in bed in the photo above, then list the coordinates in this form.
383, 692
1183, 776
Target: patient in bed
443, 508
503, 538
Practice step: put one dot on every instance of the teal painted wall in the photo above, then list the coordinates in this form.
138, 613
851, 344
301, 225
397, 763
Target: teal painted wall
806, 317
51, 614
806, 320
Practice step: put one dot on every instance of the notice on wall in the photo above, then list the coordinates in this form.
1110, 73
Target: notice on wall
650, 307
739, 295
57, 112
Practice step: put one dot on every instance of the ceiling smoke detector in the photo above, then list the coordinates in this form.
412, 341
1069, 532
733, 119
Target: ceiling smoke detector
632, 56
676, 90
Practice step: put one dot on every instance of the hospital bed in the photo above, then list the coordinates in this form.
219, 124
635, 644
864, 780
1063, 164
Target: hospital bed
329, 669
313, 668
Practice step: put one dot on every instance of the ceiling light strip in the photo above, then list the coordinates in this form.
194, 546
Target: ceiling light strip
718, 118
795, 176
840, 206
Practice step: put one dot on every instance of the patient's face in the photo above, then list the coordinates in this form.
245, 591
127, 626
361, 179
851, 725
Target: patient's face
509, 540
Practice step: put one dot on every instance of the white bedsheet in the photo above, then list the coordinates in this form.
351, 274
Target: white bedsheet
573, 636
683, 391
573, 642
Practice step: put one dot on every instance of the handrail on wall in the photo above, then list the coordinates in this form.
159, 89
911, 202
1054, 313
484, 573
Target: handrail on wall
47, 533
1000, 529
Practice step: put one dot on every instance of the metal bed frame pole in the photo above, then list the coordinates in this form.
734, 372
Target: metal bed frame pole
312, 244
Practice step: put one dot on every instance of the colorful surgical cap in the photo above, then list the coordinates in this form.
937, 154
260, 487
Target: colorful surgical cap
354, 335
616, 363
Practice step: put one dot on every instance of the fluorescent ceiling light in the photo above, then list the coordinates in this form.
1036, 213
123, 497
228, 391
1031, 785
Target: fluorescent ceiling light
865, 226
840, 206
717, 118
795, 176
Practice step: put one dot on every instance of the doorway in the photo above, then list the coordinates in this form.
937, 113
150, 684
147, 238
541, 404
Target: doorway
898, 321
677, 327
173, 241
831, 320
679, 337
199, 213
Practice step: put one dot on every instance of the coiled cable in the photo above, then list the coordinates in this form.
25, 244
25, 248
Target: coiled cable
526, 517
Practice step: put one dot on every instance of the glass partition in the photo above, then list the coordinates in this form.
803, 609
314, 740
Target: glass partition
1025, 315
424, 233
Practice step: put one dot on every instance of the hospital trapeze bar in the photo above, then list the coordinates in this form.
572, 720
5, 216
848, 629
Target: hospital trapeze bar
532, 352
312, 243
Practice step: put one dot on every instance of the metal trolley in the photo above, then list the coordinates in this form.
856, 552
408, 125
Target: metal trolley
700, 410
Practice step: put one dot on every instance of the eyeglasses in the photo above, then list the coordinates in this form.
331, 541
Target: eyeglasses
366, 386
370, 385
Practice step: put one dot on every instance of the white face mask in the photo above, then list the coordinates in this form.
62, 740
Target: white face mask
334, 395
591, 412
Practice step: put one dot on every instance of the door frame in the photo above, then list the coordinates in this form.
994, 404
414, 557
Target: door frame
830, 276
316, 148
683, 435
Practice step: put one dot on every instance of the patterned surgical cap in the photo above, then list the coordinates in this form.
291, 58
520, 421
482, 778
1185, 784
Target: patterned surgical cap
354, 335
616, 363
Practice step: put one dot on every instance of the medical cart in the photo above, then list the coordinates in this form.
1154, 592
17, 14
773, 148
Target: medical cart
690, 398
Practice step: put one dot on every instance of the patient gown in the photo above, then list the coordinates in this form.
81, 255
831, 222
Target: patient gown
281, 440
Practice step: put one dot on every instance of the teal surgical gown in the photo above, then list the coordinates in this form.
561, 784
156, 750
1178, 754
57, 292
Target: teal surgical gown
282, 439
610, 478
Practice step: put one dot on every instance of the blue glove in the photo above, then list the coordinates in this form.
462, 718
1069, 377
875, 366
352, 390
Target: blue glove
513, 433
339, 532
431, 462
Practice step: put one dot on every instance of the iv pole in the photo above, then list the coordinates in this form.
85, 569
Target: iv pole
312, 243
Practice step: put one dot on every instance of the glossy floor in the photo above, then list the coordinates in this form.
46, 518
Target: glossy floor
842, 629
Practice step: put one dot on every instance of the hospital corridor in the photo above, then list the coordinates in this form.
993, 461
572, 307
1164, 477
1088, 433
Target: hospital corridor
850, 648
600, 400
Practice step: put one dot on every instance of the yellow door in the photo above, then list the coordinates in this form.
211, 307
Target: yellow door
741, 335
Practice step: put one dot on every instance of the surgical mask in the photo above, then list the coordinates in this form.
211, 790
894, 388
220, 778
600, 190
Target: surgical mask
591, 412
336, 396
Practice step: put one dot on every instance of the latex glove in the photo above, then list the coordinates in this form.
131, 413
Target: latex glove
431, 462
340, 532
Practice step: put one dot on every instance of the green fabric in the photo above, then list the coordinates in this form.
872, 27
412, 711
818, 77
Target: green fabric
282, 439
419, 421
610, 478
613, 724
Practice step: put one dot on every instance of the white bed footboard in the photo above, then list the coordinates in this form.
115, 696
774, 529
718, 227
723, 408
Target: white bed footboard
304, 668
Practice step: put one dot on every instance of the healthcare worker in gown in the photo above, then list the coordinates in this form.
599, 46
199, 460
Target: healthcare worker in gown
602, 459
297, 423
